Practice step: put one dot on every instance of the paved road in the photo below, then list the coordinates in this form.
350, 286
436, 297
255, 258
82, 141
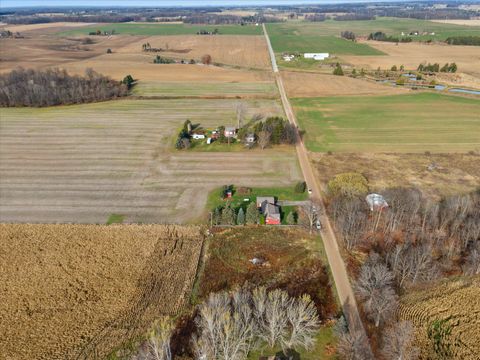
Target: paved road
332, 250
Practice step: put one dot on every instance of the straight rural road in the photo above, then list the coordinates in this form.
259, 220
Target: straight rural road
337, 266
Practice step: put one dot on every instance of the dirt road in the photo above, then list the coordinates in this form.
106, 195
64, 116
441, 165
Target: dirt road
337, 266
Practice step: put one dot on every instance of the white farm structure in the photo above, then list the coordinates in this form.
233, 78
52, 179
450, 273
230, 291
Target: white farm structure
316, 56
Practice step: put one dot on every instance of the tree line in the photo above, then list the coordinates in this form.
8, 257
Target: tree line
381, 36
230, 325
450, 68
463, 40
50, 87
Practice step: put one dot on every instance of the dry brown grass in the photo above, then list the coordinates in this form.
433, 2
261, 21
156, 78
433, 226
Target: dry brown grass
301, 84
71, 290
51, 27
457, 303
455, 173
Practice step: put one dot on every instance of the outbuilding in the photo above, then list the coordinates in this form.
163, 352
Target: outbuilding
316, 56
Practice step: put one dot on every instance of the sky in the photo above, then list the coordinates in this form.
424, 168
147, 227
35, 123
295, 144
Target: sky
155, 3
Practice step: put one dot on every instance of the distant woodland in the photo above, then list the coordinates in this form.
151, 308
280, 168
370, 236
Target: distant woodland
38, 88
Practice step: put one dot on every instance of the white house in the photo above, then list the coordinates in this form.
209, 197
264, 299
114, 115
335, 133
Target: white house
198, 136
288, 57
316, 56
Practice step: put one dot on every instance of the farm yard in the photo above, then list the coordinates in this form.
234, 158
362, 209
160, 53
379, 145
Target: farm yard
402, 123
80, 291
83, 163
452, 173
450, 313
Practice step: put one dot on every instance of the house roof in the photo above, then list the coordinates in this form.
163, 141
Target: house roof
267, 199
272, 210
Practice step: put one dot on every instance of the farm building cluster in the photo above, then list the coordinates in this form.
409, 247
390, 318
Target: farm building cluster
315, 56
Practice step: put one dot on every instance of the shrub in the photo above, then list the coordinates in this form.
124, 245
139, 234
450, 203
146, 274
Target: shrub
300, 187
348, 184
109, 51
338, 70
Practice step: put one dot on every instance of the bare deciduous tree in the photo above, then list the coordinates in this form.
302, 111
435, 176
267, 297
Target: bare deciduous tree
263, 139
374, 289
472, 263
309, 212
159, 340
353, 345
241, 111
303, 324
398, 342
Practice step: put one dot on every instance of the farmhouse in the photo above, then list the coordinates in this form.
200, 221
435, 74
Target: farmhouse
316, 56
269, 209
230, 131
198, 136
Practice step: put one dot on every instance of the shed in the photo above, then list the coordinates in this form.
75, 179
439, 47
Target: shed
316, 56
376, 202
230, 131
198, 136
250, 138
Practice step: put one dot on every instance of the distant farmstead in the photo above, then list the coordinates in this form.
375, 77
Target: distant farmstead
316, 56
230, 131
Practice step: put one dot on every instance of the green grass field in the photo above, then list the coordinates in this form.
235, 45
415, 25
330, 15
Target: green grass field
153, 88
401, 123
308, 36
302, 37
165, 29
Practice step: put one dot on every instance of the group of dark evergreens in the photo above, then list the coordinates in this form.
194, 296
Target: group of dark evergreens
39, 88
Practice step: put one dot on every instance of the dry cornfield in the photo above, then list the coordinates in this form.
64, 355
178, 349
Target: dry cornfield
446, 316
80, 291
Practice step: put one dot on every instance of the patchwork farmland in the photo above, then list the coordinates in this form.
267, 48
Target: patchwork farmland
80, 291
83, 163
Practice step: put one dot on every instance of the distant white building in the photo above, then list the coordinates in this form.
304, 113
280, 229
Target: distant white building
316, 56
288, 57
198, 136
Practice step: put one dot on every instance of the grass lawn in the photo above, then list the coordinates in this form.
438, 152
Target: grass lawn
215, 197
324, 348
390, 26
401, 123
165, 29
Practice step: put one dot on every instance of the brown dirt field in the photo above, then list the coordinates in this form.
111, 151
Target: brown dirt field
456, 303
42, 51
80, 291
238, 50
412, 54
455, 173
300, 84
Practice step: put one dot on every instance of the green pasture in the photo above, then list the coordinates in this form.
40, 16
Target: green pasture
400, 123
164, 29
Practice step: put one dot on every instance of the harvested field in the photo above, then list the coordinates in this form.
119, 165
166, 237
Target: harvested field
206, 89
55, 26
41, 51
454, 307
401, 123
330, 85
412, 54
80, 291
454, 173
239, 50
467, 22
83, 163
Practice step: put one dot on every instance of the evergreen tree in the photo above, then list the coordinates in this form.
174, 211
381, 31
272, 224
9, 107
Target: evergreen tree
394, 68
252, 214
228, 215
217, 216
338, 70
240, 217
452, 68
291, 218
